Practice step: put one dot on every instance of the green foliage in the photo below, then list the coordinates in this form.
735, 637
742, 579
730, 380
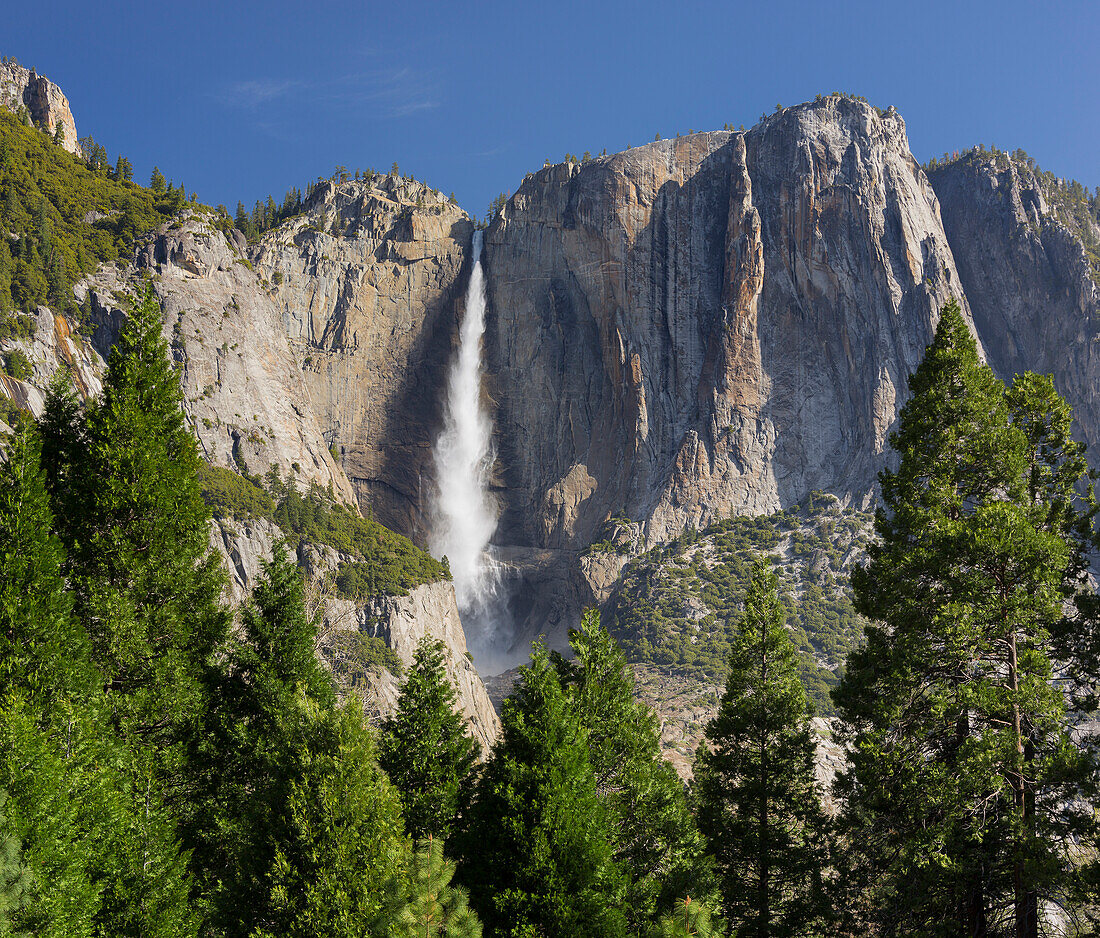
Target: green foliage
535, 847
427, 905
653, 834
123, 477
385, 562
15, 878
271, 694
342, 841
425, 748
97, 842
17, 365
677, 606
67, 215
229, 494
966, 782
353, 656
268, 214
759, 806
690, 920
14, 415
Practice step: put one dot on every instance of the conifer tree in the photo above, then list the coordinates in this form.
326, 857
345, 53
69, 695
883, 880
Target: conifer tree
299, 827
535, 846
965, 784
145, 581
759, 805
99, 851
272, 682
15, 878
690, 919
427, 906
425, 748
653, 834
343, 836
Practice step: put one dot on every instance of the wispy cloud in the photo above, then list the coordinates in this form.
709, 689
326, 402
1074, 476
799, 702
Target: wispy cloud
253, 93
379, 94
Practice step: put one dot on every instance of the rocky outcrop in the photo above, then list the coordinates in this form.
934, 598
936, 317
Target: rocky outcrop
715, 324
242, 386
400, 621
46, 105
53, 345
431, 611
369, 282
1025, 270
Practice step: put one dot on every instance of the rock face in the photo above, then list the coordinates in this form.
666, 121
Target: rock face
53, 345
1025, 271
45, 104
369, 283
431, 610
715, 324
242, 385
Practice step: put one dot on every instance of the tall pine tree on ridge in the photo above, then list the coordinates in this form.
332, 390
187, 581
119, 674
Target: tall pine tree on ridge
964, 783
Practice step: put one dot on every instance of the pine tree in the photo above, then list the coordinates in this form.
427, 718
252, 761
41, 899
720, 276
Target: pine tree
425, 748
427, 905
343, 835
654, 836
132, 517
759, 805
271, 683
964, 783
15, 878
535, 847
689, 920
100, 851
44, 654
299, 827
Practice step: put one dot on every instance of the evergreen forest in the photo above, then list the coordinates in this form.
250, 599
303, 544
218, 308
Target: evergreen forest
164, 771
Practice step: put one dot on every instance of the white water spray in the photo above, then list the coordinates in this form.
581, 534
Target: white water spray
464, 515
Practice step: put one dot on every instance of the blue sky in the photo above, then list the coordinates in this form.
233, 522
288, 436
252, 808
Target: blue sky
240, 99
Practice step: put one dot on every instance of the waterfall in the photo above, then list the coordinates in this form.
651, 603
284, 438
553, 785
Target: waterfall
464, 513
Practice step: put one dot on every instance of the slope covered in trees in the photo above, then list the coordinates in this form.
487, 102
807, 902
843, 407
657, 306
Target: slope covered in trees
63, 215
381, 562
677, 605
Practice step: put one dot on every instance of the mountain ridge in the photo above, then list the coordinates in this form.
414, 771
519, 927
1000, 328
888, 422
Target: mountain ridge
705, 326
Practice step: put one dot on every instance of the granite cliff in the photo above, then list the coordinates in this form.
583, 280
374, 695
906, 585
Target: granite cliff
46, 105
1032, 285
369, 282
243, 389
715, 324
400, 622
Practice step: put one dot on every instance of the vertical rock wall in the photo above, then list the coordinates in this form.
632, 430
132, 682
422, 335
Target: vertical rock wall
717, 323
1025, 270
46, 105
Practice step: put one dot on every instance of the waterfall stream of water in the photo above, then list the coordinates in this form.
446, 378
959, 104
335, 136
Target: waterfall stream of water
464, 513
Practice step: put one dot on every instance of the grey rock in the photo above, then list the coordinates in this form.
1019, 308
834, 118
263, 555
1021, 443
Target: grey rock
401, 621
242, 386
371, 313
715, 324
1025, 271
45, 103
